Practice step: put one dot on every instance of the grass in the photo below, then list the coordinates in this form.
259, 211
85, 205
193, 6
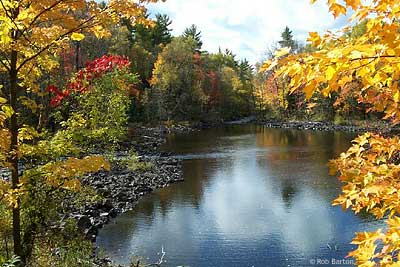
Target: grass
66, 249
133, 163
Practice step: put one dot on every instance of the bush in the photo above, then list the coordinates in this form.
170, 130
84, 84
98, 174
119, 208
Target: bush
133, 163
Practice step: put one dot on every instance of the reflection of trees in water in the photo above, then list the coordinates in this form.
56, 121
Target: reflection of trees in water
289, 190
197, 174
321, 146
288, 152
297, 158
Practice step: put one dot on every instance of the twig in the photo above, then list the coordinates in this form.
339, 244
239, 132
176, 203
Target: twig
161, 259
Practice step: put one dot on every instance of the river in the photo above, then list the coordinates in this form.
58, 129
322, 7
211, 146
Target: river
252, 196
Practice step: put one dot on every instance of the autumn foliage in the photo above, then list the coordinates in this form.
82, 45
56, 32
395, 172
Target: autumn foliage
82, 81
32, 36
368, 64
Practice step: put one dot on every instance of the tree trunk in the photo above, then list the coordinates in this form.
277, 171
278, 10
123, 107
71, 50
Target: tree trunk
77, 54
13, 156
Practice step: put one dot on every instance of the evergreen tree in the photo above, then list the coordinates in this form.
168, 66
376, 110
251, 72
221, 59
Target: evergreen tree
195, 34
287, 39
245, 70
288, 100
161, 33
150, 38
224, 58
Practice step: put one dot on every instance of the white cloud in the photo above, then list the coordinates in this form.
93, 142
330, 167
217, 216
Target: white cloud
246, 27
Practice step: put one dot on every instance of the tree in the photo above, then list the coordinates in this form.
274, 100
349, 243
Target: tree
224, 58
234, 80
120, 41
287, 100
370, 168
98, 95
174, 81
147, 43
287, 39
195, 34
247, 88
31, 34
161, 33
151, 38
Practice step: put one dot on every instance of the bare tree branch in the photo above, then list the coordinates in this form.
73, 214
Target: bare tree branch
161, 259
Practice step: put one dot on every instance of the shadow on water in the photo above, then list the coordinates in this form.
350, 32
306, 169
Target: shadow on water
252, 196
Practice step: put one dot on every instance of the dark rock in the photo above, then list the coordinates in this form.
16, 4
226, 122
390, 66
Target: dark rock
84, 222
92, 212
113, 213
91, 231
106, 192
107, 205
322, 126
99, 225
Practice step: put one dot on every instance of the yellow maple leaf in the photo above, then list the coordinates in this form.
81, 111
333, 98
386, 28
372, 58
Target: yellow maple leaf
282, 52
314, 38
330, 73
337, 9
396, 97
77, 36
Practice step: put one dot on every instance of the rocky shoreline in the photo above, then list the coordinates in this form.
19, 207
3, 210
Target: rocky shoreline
329, 126
121, 188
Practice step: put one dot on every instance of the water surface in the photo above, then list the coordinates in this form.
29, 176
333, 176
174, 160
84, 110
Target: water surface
252, 196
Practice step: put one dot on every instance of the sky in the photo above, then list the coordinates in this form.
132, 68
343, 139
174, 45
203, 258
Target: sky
248, 28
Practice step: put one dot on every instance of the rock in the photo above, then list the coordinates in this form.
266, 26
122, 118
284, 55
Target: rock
106, 192
121, 196
325, 126
91, 231
113, 213
84, 222
107, 205
99, 225
92, 212
104, 215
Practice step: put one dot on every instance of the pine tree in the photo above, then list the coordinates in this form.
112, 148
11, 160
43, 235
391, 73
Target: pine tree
287, 40
195, 34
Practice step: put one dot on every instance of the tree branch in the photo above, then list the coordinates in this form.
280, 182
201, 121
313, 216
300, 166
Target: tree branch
41, 13
373, 57
81, 26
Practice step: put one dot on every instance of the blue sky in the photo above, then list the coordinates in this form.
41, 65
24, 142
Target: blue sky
247, 27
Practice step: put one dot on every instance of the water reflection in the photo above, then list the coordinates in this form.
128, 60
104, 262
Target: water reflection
253, 196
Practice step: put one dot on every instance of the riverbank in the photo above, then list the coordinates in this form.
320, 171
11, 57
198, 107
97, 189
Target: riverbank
132, 176
382, 128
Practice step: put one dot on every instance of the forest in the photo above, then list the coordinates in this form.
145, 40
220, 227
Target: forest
79, 77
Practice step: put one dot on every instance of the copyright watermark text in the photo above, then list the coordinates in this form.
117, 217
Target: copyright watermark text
332, 261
